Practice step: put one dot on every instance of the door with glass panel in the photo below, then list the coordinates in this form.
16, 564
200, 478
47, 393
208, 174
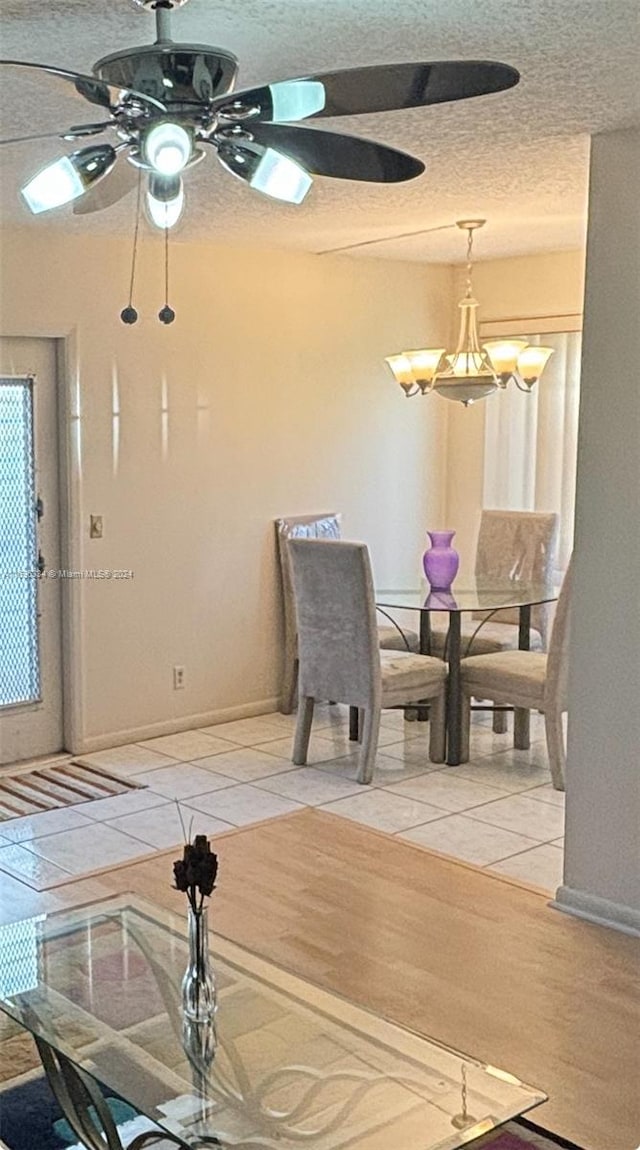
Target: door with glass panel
30, 584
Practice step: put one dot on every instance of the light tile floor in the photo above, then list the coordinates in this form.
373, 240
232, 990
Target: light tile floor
498, 811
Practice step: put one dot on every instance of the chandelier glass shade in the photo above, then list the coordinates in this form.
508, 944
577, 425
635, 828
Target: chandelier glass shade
473, 371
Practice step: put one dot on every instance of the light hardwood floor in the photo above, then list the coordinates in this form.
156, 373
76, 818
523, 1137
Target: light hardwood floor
471, 959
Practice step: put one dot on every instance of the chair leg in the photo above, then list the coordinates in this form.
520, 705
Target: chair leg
465, 728
303, 730
521, 736
555, 747
289, 686
438, 728
369, 747
500, 725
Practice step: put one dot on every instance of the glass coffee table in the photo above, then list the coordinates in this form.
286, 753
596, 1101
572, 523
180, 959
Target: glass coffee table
284, 1065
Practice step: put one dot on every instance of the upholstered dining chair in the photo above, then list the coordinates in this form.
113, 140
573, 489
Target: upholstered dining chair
531, 680
339, 654
518, 545
323, 526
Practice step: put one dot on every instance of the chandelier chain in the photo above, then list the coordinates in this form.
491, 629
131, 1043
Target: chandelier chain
469, 263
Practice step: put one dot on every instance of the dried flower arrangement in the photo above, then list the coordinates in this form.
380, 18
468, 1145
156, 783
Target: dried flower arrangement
195, 873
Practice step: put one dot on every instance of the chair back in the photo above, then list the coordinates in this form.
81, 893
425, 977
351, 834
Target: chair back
556, 683
518, 545
322, 526
336, 619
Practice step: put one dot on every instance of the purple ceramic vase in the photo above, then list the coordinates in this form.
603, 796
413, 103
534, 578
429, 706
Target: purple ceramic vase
441, 561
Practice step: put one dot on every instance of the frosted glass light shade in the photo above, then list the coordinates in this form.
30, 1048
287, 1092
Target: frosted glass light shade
503, 354
424, 364
532, 362
55, 185
465, 363
165, 204
265, 169
400, 367
281, 178
68, 177
167, 148
294, 100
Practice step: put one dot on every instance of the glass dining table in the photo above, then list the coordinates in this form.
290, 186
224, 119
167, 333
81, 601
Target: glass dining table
472, 595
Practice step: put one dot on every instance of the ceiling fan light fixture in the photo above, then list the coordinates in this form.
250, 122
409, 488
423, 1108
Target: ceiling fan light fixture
68, 177
293, 100
281, 178
165, 200
167, 148
265, 169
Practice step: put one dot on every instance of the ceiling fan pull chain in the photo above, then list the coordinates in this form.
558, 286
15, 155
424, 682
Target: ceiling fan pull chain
129, 313
166, 314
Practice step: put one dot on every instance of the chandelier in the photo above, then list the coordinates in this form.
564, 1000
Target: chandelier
472, 371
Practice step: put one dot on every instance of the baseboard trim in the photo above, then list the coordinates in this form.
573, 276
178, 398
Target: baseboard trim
601, 911
175, 726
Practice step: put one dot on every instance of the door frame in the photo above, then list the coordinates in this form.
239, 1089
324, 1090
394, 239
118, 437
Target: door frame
29, 364
71, 552
69, 436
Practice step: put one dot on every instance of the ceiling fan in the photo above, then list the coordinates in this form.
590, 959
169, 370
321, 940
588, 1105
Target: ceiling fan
170, 104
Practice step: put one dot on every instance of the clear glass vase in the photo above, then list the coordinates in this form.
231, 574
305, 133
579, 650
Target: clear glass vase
198, 985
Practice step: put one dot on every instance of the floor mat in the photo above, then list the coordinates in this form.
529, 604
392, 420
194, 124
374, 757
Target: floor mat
31, 790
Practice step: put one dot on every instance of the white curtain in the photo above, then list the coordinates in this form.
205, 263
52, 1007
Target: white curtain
531, 441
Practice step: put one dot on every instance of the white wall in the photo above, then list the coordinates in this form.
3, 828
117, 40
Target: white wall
267, 396
522, 287
602, 853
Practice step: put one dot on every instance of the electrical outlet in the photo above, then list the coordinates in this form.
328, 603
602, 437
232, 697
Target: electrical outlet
179, 679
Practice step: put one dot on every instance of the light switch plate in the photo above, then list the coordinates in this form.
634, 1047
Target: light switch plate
95, 527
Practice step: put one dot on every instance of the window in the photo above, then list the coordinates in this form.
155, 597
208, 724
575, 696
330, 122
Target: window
531, 441
19, 664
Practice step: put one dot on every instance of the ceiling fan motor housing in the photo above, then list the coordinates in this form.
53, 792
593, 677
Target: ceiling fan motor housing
179, 75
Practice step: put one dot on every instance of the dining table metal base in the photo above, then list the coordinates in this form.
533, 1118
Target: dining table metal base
456, 755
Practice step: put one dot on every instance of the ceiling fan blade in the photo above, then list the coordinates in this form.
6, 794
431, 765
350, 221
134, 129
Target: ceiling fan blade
122, 180
98, 92
336, 155
376, 88
74, 133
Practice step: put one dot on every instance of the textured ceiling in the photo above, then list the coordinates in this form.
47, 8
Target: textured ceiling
518, 158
